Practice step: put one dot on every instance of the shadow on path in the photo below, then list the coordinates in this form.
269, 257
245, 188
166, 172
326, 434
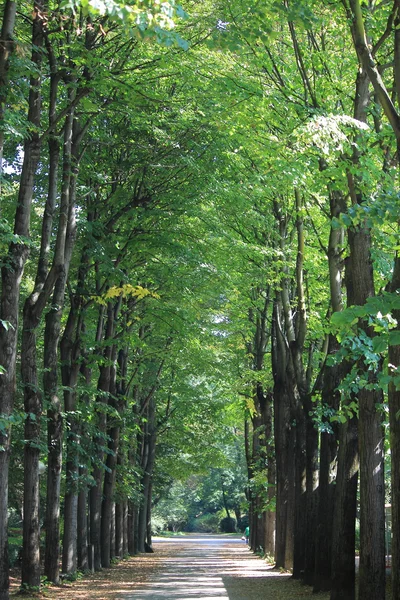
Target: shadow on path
209, 568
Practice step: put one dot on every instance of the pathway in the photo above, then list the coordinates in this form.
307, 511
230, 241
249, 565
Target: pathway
211, 567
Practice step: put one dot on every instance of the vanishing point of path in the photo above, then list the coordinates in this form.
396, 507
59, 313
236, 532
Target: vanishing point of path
212, 567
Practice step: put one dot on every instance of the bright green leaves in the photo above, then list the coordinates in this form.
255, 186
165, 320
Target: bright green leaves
367, 350
146, 19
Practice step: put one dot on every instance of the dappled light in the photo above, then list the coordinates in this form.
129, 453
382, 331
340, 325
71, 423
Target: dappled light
209, 567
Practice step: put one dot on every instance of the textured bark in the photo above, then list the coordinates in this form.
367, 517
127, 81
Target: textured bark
345, 506
331, 378
109, 475
96, 491
7, 46
148, 458
125, 528
63, 254
372, 493
131, 530
394, 420
300, 517
30, 574
371, 562
69, 354
284, 434
119, 531
261, 526
82, 531
327, 476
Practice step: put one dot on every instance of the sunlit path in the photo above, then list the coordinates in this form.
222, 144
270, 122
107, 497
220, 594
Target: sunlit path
207, 567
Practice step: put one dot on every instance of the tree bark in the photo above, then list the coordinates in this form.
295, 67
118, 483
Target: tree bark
30, 575
63, 252
96, 490
109, 474
331, 378
394, 421
284, 434
148, 454
7, 46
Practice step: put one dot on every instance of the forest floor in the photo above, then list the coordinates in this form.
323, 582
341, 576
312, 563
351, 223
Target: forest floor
208, 567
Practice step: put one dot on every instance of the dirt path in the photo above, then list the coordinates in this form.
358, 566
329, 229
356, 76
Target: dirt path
213, 568
207, 567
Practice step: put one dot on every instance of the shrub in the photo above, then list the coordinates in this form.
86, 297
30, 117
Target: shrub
207, 523
227, 525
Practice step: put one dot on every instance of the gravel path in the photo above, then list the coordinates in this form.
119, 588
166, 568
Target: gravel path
212, 568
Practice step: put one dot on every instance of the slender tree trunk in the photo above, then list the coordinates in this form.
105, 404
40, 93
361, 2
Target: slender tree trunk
327, 476
131, 528
109, 476
300, 517
30, 575
331, 377
119, 531
82, 530
372, 565
51, 341
372, 492
125, 529
6, 48
345, 508
394, 419
96, 491
148, 464
284, 434
113, 532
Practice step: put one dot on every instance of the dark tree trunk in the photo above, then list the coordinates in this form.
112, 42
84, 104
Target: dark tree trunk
63, 253
149, 443
372, 492
284, 434
82, 532
119, 531
344, 516
112, 532
131, 527
327, 476
300, 517
96, 491
7, 46
125, 530
394, 413
83, 496
30, 574
109, 476
331, 378
312, 466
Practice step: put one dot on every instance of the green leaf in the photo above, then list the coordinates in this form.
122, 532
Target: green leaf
380, 343
394, 338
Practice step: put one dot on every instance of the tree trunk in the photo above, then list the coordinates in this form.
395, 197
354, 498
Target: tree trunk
30, 574
131, 528
96, 491
327, 475
109, 476
284, 434
125, 529
63, 252
7, 46
331, 378
119, 531
372, 492
147, 465
82, 530
394, 419
345, 508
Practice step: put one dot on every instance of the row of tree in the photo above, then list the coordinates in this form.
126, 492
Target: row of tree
189, 231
